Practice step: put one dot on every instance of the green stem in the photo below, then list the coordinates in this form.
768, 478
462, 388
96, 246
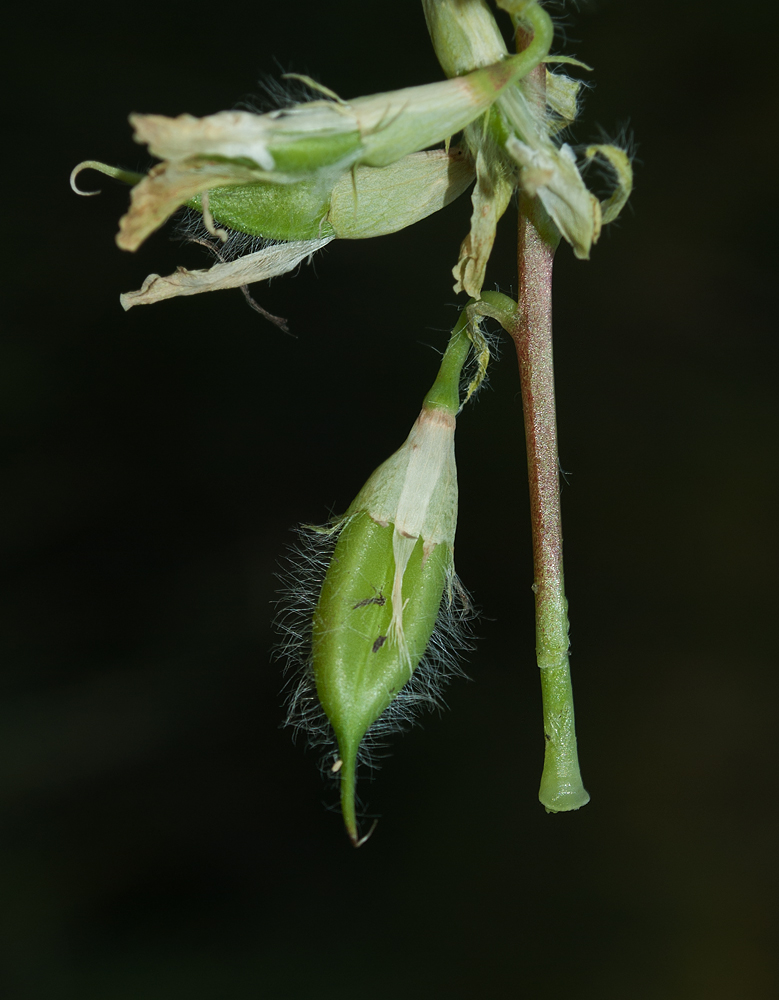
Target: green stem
445, 391
348, 781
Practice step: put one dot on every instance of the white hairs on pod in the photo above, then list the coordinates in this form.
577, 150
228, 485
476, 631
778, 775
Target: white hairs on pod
301, 574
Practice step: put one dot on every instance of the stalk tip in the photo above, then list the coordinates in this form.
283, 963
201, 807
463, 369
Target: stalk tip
556, 796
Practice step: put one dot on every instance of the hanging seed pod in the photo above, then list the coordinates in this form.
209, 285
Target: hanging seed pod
299, 219
390, 574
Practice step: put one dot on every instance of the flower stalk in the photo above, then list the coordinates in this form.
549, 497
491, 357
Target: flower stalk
561, 784
537, 240
529, 323
551, 200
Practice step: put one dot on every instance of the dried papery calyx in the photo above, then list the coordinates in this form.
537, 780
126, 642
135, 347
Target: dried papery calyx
309, 172
315, 142
514, 143
390, 576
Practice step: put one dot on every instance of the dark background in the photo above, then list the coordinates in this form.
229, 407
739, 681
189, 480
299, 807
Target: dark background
161, 836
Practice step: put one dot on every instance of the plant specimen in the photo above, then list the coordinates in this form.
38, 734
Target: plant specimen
270, 190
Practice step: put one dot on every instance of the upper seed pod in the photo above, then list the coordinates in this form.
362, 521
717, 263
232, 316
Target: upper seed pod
391, 567
365, 202
314, 142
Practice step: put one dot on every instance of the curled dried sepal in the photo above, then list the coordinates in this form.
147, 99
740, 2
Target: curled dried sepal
562, 98
619, 161
392, 565
271, 261
552, 175
495, 183
481, 349
127, 176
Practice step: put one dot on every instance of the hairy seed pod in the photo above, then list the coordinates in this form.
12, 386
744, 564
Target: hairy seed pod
391, 567
304, 217
366, 202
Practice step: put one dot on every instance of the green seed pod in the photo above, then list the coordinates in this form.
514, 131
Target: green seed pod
364, 652
366, 202
304, 217
390, 574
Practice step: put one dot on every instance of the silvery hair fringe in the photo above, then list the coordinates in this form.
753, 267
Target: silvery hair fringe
301, 576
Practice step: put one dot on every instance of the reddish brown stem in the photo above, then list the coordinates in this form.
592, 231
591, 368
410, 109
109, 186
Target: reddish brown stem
533, 341
537, 240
